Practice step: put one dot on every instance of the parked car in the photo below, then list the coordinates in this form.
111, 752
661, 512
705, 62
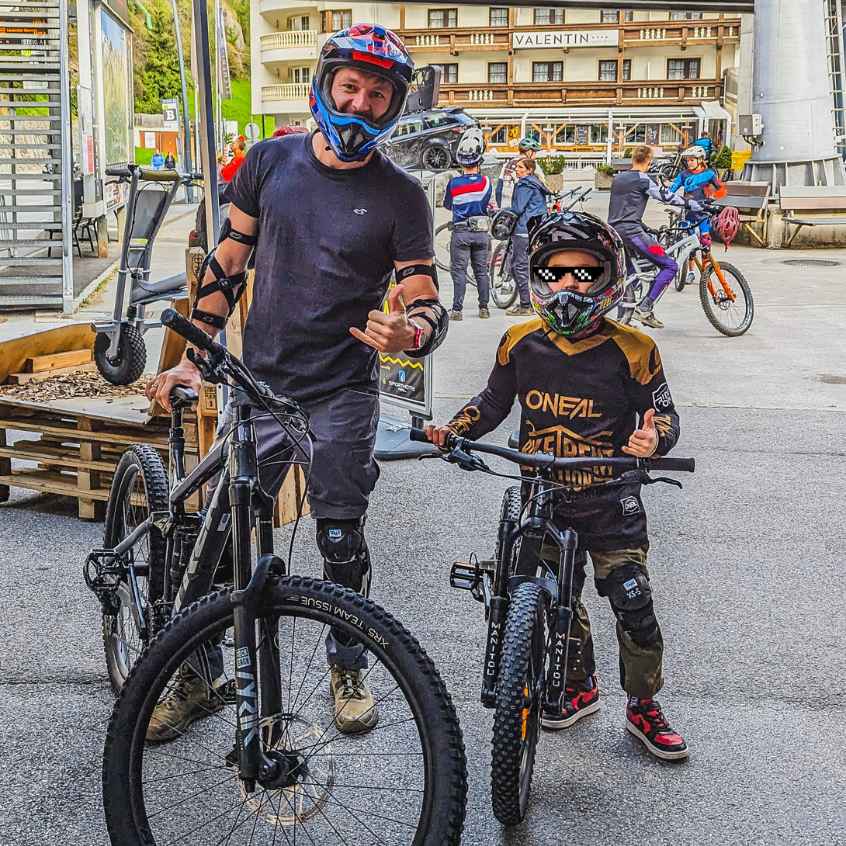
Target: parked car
427, 140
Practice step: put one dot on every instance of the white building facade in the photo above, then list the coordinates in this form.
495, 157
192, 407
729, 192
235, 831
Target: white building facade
586, 82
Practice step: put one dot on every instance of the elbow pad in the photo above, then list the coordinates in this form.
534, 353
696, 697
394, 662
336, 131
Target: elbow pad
433, 313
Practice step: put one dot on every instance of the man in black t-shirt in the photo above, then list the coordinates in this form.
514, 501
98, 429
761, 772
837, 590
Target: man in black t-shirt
331, 220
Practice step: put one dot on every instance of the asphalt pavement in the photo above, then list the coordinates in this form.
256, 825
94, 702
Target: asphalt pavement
746, 563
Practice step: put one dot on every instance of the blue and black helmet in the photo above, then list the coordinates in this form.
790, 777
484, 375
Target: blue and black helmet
372, 49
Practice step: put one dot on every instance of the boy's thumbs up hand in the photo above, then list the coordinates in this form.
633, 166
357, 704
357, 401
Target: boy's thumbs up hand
643, 441
389, 332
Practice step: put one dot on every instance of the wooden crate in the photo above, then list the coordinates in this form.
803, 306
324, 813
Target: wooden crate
78, 446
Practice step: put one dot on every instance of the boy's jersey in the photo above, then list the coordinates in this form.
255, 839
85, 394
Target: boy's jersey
697, 186
630, 192
468, 195
578, 398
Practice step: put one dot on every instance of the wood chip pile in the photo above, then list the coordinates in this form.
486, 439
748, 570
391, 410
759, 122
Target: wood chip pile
73, 385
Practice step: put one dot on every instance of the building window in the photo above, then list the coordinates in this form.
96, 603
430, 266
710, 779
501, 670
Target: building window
443, 18
341, 19
549, 16
547, 71
608, 70
627, 70
449, 73
598, 133
497, 72
615, 15
298, 23
565, 134
670, 134
682, 68
685, 16
500, 136
498, 16
301, 74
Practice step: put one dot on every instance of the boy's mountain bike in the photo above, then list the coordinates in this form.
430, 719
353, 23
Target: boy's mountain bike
267, 763
723, 290
503, 286
529, 603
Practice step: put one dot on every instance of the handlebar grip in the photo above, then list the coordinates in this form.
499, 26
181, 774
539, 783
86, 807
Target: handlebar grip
175, 321
418, 435
683, 465
151, 175
122, 172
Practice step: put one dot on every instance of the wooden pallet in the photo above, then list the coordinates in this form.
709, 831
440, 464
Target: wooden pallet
78, 446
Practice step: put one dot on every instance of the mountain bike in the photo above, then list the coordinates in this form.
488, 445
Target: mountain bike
503, 286
119, 350
723, 290
528, 601
267, 764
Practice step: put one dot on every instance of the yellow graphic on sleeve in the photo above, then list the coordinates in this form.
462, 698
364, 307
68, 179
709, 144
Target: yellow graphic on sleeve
400, 362
565, 443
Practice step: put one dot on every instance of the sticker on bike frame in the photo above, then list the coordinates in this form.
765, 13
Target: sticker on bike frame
242, 658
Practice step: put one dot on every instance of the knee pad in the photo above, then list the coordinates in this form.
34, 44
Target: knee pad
346, 559
630, 596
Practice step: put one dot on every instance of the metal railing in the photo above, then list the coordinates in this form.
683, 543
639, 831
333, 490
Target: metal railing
286, 91
288, 39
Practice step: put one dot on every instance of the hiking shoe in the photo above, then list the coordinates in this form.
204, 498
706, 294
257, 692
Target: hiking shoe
355, 710
455, 315
190, 699
647, 722
648, 318
520, 311
484, 314
576, 703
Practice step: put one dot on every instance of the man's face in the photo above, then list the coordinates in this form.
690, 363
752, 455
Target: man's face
366, 95
572, 258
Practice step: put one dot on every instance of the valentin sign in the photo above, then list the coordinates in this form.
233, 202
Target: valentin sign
562, 39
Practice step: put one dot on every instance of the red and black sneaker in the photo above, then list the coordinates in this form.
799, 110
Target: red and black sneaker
577, 702
646, 721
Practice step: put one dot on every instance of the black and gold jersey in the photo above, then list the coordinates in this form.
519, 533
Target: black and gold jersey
578, 398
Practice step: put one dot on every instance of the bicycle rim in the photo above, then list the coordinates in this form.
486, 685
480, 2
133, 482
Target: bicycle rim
729, 309
626, 307
385, 786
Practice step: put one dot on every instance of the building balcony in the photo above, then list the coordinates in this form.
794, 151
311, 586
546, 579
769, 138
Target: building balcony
668, 92
290, 46
679, 34
288, 98
286, 6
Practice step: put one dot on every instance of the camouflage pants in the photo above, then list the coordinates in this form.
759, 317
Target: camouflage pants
640, 667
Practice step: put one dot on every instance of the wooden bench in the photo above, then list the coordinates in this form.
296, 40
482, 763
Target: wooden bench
812, 206
750, 199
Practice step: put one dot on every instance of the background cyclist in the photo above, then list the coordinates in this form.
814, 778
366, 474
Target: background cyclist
630, 192
528, 149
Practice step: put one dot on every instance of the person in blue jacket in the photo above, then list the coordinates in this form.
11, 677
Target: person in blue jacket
704, 141
700, 183
157, 161
528, 201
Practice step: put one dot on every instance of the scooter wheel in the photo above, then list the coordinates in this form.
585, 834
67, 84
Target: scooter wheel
130, 361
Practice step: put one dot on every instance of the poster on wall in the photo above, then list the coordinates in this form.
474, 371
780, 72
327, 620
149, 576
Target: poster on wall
116, 89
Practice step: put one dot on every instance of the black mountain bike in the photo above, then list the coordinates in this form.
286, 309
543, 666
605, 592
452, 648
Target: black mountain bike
119, 350
529, 603
267, 765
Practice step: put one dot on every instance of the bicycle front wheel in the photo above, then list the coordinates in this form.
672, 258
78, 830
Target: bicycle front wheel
519, 694
626, 306
503, 284
443, 260
728, 306
404, 781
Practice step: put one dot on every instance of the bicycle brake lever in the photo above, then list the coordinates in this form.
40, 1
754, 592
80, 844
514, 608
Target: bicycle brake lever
651, 480
465, 461
209, 369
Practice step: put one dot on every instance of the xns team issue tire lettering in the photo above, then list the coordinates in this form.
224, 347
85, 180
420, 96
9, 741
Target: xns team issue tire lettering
404, 782
518, 703
139, 487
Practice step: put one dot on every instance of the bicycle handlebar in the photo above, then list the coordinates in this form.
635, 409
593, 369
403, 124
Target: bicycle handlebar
193, 334
685, 465
150, 175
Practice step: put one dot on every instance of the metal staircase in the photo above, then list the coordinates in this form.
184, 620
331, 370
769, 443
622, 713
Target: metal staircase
34, 152
836, 70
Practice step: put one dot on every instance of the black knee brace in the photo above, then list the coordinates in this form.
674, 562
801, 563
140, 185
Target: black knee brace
630, 595
346, 559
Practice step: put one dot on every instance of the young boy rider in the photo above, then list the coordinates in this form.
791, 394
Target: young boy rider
700, 183
583, 382
630, 192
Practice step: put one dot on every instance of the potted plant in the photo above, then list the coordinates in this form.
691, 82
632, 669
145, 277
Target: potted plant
604, 177
553, 169
721, 161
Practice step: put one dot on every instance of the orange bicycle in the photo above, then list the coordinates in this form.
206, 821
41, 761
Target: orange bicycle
723, 290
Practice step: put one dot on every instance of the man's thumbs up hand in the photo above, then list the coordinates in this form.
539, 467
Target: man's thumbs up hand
643, 441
